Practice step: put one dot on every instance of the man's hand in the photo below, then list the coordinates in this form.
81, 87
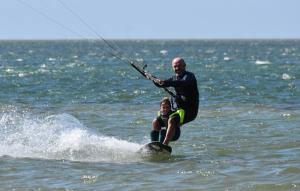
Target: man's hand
148, 76
158, 81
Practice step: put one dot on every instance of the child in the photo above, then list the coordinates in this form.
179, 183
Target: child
160, 124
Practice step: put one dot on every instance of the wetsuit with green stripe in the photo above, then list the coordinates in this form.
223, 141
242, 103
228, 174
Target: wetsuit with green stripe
187, 94
163, 122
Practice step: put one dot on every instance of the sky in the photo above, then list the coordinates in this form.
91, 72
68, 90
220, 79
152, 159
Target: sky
149, 19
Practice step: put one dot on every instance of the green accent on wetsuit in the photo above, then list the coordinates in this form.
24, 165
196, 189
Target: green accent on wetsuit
181, 114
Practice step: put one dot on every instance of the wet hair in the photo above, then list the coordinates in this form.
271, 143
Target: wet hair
165, 100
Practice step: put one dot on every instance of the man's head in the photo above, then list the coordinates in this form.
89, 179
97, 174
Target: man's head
178, 65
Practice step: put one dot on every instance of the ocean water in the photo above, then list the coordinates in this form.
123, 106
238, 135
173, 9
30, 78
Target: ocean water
72, 116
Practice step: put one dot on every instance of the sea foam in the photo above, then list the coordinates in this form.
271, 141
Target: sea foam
59, 137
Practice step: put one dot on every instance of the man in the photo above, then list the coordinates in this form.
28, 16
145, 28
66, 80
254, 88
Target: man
187, 101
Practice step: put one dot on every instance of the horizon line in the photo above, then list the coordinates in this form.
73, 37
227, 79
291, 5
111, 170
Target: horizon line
166, 39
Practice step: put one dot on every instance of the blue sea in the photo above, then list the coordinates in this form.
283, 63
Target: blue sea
72, 116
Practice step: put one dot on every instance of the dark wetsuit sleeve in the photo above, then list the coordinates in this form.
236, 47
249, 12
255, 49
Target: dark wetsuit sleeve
187, 80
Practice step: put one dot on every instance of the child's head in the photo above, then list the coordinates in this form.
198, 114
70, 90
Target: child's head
165, 106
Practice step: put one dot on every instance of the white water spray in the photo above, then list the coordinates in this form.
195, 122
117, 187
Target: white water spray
59, 137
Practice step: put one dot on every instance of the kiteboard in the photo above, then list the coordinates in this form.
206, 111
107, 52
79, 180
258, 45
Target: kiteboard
156, 148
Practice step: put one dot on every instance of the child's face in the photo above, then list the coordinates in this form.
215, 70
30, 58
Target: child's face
164, 108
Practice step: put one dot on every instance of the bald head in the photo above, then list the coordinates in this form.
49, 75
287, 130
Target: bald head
178, 60
178, 65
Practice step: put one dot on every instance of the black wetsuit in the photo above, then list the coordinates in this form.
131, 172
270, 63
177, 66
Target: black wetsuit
187, 94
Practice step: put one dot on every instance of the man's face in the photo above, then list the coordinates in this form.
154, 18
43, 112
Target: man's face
178, 67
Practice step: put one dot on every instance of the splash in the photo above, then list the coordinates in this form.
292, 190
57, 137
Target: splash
59, 137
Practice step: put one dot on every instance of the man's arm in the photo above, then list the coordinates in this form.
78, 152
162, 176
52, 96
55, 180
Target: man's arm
162, 83
187, 80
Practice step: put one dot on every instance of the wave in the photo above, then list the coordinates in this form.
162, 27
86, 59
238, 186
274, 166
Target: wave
262, 62
59, 137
